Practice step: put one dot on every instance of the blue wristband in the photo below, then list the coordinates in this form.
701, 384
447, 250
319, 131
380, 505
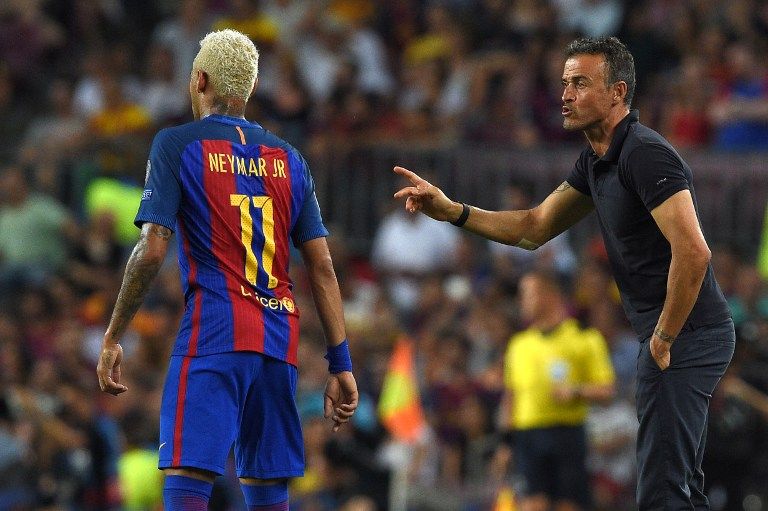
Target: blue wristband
338, 358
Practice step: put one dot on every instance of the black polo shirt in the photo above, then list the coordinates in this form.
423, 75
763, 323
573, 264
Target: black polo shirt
639, 171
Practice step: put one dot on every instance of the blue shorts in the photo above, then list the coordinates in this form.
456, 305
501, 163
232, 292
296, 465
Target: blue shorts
242, 398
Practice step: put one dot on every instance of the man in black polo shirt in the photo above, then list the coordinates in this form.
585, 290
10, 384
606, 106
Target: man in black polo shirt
643, 193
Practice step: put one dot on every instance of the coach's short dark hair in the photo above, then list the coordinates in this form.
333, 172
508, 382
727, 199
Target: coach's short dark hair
621, 65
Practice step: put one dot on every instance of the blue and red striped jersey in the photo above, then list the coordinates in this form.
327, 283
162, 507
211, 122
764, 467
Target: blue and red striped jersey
234, 194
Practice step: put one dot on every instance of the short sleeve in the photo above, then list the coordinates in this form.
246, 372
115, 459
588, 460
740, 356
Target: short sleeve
309, 224
162, 188
600, 370
578, 176
656, 173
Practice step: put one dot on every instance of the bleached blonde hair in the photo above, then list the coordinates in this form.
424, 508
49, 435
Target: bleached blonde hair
231, 61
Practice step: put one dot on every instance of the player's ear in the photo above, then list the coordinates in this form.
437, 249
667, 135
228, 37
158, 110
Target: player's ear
253, 89
202, 81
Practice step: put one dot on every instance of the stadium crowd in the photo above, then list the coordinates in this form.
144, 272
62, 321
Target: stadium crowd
84, 85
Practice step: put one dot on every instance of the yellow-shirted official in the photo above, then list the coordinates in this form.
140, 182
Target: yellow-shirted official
553, 370
537, 363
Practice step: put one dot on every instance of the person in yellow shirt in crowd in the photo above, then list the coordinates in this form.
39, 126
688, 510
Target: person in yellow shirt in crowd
120, 116
552, 372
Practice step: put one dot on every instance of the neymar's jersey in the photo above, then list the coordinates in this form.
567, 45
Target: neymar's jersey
234, 194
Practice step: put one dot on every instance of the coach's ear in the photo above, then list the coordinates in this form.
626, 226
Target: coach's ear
619, 91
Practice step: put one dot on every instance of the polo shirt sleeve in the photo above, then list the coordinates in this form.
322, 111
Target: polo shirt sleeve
655, 173
161, 198
578, 176
309, 225
599, 370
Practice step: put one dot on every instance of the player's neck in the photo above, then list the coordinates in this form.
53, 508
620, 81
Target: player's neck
231, 107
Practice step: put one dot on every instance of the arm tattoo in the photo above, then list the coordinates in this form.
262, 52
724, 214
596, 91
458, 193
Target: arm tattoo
139, 273
563, 187
159, 231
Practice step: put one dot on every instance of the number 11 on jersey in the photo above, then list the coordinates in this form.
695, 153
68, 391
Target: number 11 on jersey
264, 203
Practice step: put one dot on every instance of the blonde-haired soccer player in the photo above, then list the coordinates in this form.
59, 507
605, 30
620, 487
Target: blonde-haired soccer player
235, 194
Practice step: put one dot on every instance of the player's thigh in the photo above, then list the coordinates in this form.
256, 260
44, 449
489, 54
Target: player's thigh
199, 413
269, 444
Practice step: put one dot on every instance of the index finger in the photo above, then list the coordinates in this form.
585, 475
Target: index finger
352, 400
412, 176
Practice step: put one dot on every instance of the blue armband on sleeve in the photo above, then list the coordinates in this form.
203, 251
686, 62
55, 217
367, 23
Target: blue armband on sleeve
338, 358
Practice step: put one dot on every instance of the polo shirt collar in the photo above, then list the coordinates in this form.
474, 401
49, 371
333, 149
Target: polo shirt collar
619, 134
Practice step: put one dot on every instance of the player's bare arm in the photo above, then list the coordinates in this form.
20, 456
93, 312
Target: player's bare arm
341, 395
677, 220
141, 269
527, 229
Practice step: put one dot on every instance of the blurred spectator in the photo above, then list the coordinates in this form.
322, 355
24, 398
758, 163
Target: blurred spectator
737, 434
320, 57
14, 115
97, 256
499, 111
164, 98
740, 112
612, 433
407, 247
26, 20
119, 116
590, 17
60, 134
286, 104
247, 17
608, 318
102, 69
685, 121
369, 57
16, 493
434, 42
181, 34
33, 231
293, 16
749, 303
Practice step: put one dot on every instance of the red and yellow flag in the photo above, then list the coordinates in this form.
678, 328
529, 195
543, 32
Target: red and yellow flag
399, 405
